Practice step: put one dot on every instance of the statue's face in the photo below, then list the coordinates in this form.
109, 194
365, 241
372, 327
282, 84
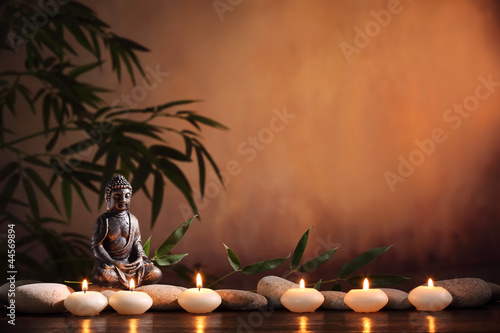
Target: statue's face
120, 200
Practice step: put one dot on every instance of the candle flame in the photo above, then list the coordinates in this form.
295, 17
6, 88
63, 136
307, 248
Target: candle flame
85, 286
131, 285
430, 283
366, 285
302, 284
198, 281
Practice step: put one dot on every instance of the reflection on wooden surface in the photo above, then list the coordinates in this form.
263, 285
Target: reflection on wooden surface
486, 319
303, 324
367, 325
432, 325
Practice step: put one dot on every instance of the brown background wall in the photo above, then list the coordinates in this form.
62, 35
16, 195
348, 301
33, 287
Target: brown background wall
352, 118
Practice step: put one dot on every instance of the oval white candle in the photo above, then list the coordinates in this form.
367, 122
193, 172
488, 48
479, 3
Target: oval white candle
199, 300
430, 298
302, 299
366, 299
130, 302
85, 303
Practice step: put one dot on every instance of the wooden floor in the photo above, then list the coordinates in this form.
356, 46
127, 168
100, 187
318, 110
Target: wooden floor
486, 319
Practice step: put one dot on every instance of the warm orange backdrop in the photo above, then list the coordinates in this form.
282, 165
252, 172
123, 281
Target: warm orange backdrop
351, 114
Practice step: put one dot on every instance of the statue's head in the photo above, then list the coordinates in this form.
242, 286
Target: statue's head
118, 194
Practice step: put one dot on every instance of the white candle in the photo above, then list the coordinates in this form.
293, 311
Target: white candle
430, 298
302, 299
199, 300
366, 299
130, 302
85, 303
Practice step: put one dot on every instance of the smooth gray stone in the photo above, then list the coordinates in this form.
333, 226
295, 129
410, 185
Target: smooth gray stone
467, 292
241, 300
164, 296
398, 299
272, 287
334, 300
5, 289
41, 298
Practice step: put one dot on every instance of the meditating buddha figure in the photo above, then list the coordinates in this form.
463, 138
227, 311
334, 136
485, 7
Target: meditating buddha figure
116, 242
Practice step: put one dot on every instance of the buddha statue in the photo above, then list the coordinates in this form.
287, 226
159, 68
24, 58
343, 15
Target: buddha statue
116, 242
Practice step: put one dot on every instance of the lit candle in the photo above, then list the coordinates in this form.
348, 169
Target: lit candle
430, 298
366, 299
85, 303
130, 302
199, 300
302, 299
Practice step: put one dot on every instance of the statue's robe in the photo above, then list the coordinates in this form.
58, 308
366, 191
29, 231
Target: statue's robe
108, 275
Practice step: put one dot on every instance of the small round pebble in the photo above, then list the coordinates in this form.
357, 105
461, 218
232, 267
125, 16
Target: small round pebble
41, 298
241, 300
398, 299
334, 300
272, 287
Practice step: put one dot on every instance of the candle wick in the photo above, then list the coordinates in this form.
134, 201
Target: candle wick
85, 291
199, 288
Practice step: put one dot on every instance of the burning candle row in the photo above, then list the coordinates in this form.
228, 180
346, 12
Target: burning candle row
204, 300
424, 298
131, 302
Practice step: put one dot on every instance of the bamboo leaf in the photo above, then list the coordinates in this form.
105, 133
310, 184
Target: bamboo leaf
337, 287
67, 197
233, 258
36, 161
361, 260
177, 177
146, 246
207, 121
377, 280
44, 188
85, 68
8, 191
317, 261
79, 191
299, 250
317, 285
210, 159
128, 44
201, 169
47, 103
8, 169
109, 170
33, 202
141, 174
176, 103
263, 266
78, 146
174, 238
158, 190
50, 145
169, 152
79, 36
170, 259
